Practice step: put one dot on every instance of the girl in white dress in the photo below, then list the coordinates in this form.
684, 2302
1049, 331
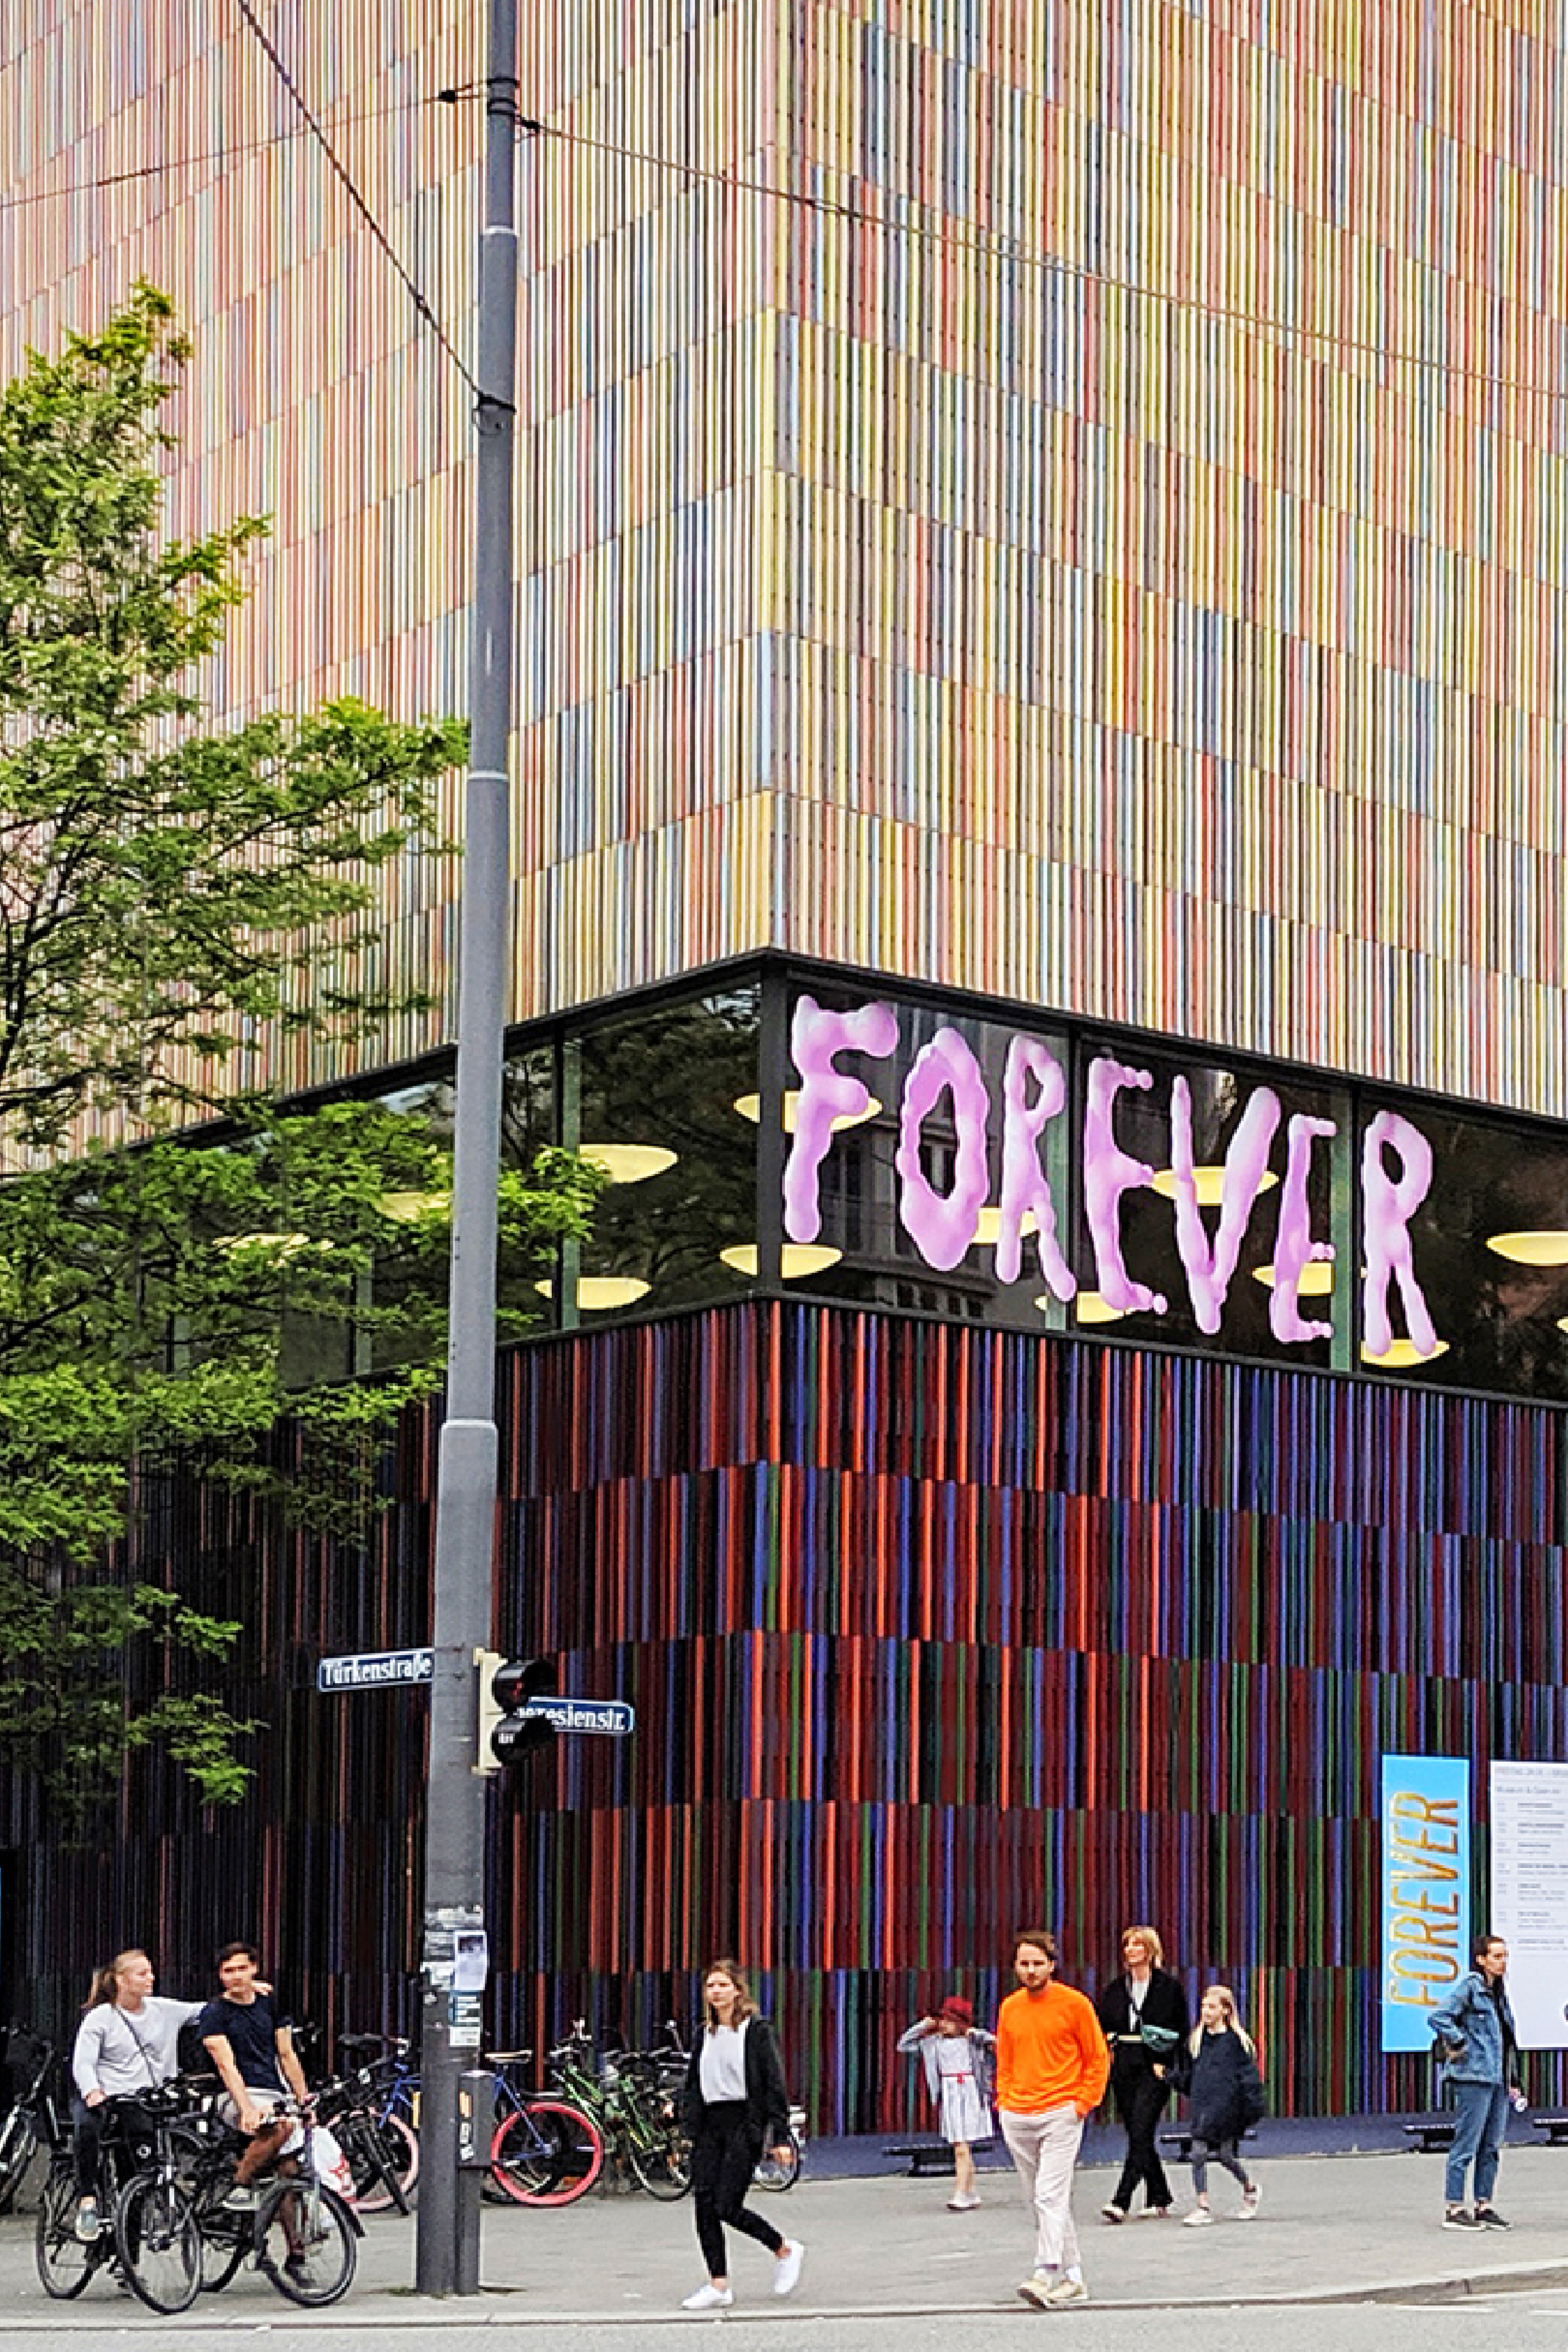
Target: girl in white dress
956, 2054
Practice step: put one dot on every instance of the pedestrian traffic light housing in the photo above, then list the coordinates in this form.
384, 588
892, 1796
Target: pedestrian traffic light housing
508, 1735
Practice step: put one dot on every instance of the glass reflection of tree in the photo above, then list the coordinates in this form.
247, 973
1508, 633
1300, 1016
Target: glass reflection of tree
528, 1107
672, 1077
542, 1194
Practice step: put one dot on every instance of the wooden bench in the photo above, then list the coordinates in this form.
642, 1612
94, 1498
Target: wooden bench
1434, 2135
1179, 2140
927, 2158
1555, 2128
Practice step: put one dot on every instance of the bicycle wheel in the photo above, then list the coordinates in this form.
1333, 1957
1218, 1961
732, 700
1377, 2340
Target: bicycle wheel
158, 2242
770, 2174
305, 2241
221, 2255
65, 2264
383, 2157
547, 2154
664, 2166
18, 2139
223, 2237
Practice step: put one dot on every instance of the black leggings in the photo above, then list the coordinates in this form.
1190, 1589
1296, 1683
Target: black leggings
86, 2142
724, 2158
96, 2129
1141, 2094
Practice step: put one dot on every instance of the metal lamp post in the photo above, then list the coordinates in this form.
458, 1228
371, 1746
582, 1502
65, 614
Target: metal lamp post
449, 2225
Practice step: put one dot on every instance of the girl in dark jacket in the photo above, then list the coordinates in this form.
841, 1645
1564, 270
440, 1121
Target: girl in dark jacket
1143, 2014
735, 2106
1225, 2095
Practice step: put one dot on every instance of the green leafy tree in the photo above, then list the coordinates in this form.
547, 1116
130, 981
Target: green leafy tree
190, 1270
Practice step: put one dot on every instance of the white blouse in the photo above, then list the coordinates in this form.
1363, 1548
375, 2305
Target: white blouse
721, 2071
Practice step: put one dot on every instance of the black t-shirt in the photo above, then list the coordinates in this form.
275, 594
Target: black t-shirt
250, 2029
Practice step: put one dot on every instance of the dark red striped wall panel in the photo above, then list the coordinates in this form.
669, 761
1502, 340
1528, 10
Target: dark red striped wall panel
930, 1630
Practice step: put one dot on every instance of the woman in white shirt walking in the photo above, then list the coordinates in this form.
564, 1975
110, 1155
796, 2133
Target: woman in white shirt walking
735, 2106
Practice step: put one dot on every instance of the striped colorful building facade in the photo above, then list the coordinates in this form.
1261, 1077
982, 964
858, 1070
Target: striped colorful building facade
1049, 521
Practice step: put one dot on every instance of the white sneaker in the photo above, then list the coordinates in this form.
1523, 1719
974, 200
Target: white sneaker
1066, 2290
1250, 2203
963, 2204
1198, 2219
87, 2224
786, 2269
708, 2297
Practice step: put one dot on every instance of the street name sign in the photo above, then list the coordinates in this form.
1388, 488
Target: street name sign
611, 1716
375, 1670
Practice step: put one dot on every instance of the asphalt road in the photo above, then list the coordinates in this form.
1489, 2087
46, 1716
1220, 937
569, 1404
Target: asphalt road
1527, 2323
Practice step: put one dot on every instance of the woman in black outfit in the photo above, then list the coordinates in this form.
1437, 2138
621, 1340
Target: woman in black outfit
735, 2106
1143, 2015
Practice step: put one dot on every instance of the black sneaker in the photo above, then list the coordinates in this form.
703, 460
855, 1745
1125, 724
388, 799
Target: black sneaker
1458, 2217
1490, 2218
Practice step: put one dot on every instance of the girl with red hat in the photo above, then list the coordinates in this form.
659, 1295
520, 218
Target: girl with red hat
956, 2054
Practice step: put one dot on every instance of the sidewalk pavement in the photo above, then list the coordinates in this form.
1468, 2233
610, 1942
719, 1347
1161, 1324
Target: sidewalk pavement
1330, 2230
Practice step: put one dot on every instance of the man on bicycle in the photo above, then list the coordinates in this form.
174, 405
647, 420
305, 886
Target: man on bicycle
255, 2056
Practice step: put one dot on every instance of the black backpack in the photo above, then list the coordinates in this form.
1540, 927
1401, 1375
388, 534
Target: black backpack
194, 2057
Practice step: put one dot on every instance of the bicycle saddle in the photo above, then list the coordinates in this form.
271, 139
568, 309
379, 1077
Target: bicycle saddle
505, 2057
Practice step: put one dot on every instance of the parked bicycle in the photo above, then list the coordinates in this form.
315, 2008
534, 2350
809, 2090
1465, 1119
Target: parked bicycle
370, 2110
546, 2149
39, 2111
634, 2098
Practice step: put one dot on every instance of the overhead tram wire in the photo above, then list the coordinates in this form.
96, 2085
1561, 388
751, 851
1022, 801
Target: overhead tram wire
345, 177
169, 165
1004, 248
994, 247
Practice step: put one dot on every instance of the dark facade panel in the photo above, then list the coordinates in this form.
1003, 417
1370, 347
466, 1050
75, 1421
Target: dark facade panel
930, 1630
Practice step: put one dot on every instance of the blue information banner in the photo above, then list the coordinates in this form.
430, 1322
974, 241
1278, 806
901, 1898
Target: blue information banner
1425, 1886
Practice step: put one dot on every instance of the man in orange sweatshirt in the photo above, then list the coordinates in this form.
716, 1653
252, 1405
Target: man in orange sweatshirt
1052, 2066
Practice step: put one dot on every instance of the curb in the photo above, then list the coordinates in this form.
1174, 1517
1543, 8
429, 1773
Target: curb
495, 2308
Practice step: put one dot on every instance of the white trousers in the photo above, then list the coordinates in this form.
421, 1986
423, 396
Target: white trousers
1044, 2148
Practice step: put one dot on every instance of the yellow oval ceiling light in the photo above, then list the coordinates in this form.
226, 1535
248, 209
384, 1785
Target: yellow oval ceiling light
796, 1259
1316, 1281
1208, 1184
751, 1106
988, 1227
597, 1293
1091, 1306
1530, 1249
1401, 1354
629, 1163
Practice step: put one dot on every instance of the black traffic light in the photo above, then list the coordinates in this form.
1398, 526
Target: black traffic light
519, 1735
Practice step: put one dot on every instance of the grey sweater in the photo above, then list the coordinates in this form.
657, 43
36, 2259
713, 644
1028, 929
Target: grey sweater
119, 2052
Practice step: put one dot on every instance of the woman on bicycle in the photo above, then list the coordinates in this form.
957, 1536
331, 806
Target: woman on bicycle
735, 2104
128, 2041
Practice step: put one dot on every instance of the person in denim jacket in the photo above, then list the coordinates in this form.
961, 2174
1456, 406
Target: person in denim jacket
1474, 2028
